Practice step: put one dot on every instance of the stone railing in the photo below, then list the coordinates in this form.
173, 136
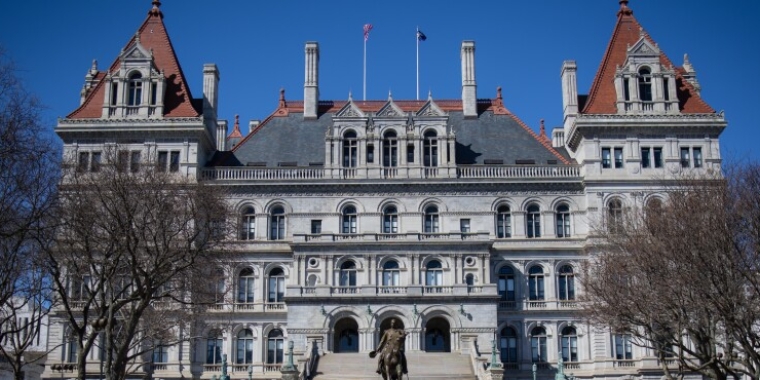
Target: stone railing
409, 236
318, 173
248, 307
415, 290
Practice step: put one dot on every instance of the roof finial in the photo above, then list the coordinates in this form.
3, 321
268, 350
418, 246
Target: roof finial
350, 97
624, 8
430, 94
155, 11
390, 96
283, 103
543, 129
498, 93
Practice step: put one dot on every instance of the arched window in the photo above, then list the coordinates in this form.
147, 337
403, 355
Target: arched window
214, 347
566, 283
507, 283
533, 221
615, 215
135, 89
348, 274
350, 152
390, 220
645, 85
248, 224
538, 345
434, 273
390, 149
508, 345
275, 343
245, 286
536, 283
276, 285
349, 220
563, 221
390, 273
430, 149
503, 222
244, 351
569, 344
431, 219
277, 224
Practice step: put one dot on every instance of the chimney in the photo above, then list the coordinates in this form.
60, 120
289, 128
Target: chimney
569, 93
210, 91
311, 81
221, 135
469, 88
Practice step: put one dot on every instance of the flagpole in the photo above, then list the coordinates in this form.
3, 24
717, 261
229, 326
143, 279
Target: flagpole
364, 81
417, 37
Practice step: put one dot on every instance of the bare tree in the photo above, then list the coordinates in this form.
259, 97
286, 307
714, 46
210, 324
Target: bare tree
27, 182
681, 275
133, 247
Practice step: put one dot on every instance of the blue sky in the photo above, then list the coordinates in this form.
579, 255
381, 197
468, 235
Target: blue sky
520, 45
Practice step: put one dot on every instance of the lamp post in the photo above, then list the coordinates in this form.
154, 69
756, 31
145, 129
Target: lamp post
535, 368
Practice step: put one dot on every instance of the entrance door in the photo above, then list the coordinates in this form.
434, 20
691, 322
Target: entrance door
437, 336
346, 337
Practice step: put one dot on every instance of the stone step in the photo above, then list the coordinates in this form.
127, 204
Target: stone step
422, 366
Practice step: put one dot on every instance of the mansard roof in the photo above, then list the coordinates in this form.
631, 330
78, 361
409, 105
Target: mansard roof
178, 101
495, 136
602, 96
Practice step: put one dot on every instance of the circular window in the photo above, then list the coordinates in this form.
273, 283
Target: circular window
469, 261
313, 262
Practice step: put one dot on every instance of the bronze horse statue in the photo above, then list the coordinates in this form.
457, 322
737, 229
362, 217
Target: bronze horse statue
392, 362
390, 368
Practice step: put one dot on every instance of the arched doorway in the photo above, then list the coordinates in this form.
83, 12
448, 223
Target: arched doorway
437, 335
346, 338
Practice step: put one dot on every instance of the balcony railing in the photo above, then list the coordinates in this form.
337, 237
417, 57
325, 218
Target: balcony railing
251, 307
410, 236
316, 173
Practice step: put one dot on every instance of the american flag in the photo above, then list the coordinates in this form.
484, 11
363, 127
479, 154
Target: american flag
367, 28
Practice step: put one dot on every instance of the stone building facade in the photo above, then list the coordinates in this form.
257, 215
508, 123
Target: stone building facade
452, 216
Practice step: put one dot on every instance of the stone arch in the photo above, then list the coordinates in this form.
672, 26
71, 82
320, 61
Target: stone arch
432, 202
349, 202
278, 202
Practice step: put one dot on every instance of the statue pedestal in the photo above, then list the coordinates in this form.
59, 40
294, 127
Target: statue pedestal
289, 375
495, 373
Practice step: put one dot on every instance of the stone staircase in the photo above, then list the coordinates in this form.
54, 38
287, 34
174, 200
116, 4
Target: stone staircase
422, 366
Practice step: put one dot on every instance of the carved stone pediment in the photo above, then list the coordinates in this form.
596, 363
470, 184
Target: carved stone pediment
430, 109
390, 109
644, 48
350, 110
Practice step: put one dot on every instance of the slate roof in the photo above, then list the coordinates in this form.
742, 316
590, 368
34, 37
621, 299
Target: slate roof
178, 101
496, 135
602, 96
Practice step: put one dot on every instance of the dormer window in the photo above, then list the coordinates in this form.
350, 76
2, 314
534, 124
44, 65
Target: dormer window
645, 84
135, 89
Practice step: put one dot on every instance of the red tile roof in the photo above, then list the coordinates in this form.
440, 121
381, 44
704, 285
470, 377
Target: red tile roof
236, 134
153, 36
602, 97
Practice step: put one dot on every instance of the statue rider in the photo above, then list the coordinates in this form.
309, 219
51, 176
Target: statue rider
393, 341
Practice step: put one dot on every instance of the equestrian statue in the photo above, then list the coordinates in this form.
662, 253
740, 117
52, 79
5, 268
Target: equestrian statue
391, 363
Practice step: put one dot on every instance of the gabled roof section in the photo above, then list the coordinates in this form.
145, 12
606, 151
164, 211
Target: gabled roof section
627, 32
350, 109
178, 101
390, 109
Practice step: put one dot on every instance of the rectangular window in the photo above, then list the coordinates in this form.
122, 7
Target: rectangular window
606, 158
626, 91
464, 225
646, 160
697, 154
657, 157
685, 160
97, 157
623, 347
410, 154
316, 226
163, 161
665, 89
370, 154
84, 161
153, 93
174, 162
134, 161
114, 93
122, 160
618, 158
